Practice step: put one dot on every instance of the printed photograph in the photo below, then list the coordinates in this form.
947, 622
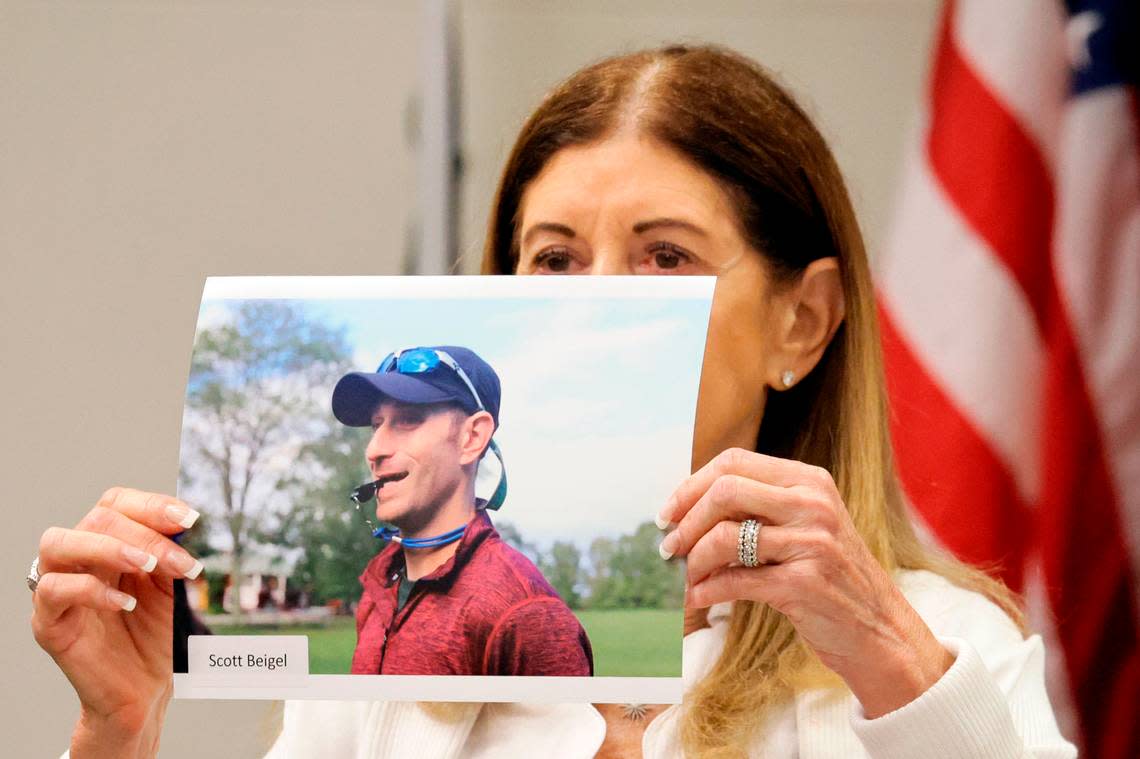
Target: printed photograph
441, 476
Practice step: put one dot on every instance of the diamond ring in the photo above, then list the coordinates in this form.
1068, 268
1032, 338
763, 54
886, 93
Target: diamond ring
746, 539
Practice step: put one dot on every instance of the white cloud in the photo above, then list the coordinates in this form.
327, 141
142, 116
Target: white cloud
576, 490
214, 314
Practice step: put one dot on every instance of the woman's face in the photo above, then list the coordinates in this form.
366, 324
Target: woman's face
630, 205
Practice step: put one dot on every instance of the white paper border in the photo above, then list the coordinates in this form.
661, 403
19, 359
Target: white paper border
542, 690
457, 287
649, 690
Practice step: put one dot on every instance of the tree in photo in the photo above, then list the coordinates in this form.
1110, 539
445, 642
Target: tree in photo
627, 573
562, 569
256, 401
337, 540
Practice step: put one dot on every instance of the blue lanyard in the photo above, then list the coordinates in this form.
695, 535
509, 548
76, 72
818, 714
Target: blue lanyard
392, 534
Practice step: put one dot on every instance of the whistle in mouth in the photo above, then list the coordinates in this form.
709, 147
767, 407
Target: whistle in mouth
367, 491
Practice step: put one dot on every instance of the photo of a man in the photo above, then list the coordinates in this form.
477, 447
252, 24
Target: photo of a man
382, 537
447, 595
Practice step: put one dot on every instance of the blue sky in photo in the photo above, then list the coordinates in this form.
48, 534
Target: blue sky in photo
598, 394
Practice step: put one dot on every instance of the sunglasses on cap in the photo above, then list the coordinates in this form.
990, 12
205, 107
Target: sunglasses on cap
424, 360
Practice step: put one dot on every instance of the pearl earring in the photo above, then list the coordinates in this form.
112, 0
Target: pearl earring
788, 377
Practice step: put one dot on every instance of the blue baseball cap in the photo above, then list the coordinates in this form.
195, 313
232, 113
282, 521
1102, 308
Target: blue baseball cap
427, 374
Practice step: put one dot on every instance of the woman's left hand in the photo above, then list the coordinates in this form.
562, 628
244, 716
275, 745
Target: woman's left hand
814, 568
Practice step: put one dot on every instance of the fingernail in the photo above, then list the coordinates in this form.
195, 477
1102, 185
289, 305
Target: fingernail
121, 599
182, 516
186, 564
141, 559
661, 522
668, 546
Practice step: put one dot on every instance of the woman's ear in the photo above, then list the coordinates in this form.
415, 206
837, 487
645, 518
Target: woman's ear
475, 436
808, 314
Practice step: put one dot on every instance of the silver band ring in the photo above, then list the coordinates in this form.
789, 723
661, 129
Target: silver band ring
746, 539
34, 574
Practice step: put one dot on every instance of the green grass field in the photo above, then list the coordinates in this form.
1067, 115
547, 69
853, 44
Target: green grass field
635, 642
627, 642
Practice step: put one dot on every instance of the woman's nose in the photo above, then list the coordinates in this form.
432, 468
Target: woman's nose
611, 261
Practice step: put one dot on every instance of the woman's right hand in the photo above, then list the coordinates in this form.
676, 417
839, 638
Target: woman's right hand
104, 610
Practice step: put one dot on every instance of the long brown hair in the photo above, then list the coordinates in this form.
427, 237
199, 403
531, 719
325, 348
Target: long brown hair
727, 115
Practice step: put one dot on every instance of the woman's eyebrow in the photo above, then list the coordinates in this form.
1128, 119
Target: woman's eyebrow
548, 226
665, 221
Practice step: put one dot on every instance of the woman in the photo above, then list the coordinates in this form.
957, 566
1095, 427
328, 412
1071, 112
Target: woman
844, 636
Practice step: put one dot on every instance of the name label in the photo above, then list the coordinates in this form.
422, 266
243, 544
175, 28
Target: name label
248, 660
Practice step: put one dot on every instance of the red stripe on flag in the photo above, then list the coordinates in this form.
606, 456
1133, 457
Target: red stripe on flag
1087, 567
991, 170
995, 176
948, 470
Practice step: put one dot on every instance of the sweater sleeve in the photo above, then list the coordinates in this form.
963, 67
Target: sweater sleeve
539, 636
972, 711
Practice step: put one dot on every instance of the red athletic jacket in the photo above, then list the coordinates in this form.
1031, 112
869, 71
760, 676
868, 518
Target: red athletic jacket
486, 611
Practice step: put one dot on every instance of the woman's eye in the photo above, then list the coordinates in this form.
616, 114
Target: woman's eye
553, 261
668, 257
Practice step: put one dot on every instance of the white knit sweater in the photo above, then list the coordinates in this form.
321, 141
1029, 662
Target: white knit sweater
990, 704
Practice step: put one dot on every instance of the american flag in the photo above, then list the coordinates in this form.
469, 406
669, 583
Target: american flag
1010, 302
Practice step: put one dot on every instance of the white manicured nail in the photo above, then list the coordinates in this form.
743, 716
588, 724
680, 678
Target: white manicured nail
668, 546
661, 522
665, 554
141, 559
121, 599
186, 564
183, 516
194, 571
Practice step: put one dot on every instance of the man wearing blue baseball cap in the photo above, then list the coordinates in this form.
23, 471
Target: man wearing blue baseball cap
447, 596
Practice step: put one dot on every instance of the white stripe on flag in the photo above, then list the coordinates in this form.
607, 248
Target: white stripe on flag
1016, 47
967, 321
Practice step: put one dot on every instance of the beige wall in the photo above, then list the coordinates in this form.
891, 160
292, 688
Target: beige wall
856, 65
145, 145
